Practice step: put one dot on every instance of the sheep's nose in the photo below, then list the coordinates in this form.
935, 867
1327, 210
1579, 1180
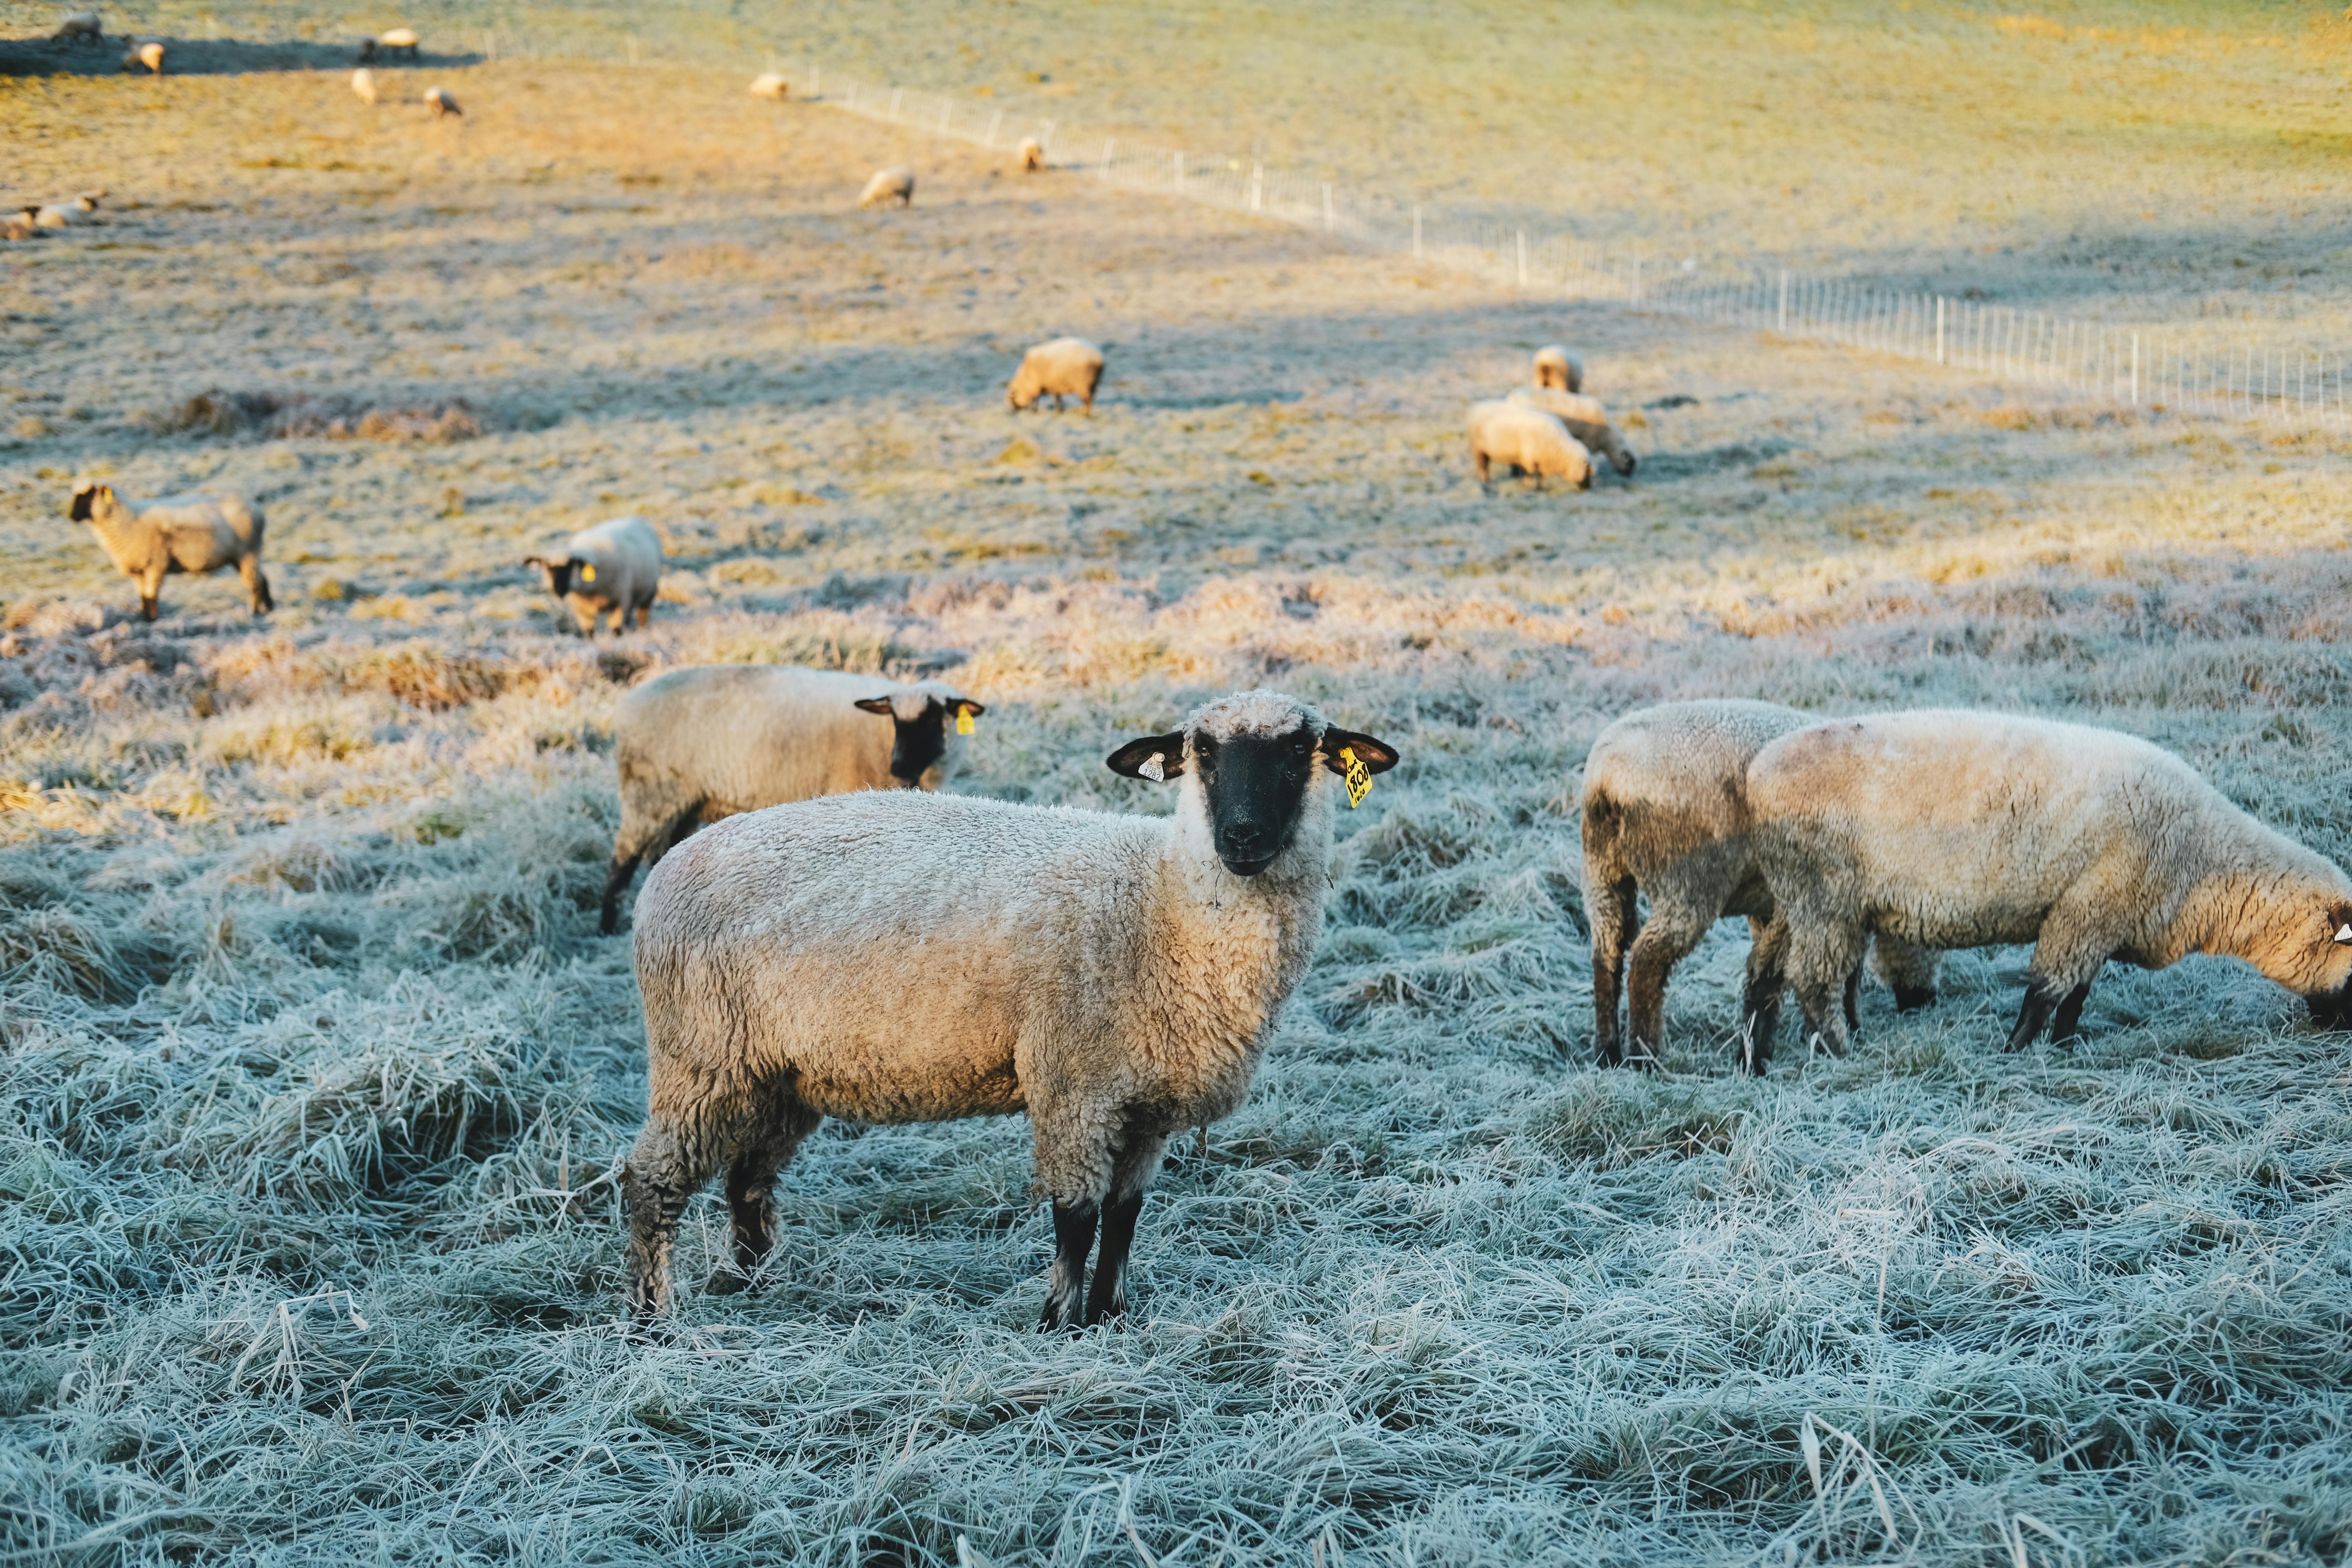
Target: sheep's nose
1241, 838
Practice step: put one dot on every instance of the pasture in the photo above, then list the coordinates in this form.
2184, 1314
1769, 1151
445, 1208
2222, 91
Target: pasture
317, 1072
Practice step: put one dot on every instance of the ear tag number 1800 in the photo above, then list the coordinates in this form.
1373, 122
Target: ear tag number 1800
963, 721
1358, 777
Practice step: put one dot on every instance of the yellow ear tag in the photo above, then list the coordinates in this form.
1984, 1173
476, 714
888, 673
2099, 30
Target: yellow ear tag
587, 573
1358, 777
963, 721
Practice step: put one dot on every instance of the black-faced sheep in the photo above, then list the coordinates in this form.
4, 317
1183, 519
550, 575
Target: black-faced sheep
440, 101
886, 185
1528, 441
150, 540
1586, 420
769, 84
397, 41
1064, 367
893, 956
699, 745
143, 54
1032, 156
614, 566
80, 28
1960, 829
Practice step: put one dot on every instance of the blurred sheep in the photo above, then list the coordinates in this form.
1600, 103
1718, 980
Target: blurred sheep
1556, 367
1031, 154
1064, 367
398, 41
147, 53
79, 28
887, 183
148, 540
614, 566
1528, 441
440, 101
364, 84
1586, 420
768, 84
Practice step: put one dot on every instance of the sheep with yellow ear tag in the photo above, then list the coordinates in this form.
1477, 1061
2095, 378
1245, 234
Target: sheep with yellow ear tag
613, 567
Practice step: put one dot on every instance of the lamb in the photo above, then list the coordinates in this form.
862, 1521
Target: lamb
887, 183
438, 99
1065, 367
1665, 813
364, 84
1960, 829
79, 28
147, 540
701, 744
1556, 367
143, 52
1031, 154
399, 40
1527, 440
616, 566
768, 84
894, 956
1586, 420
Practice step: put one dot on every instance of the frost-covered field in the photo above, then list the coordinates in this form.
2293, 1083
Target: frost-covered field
316, 1072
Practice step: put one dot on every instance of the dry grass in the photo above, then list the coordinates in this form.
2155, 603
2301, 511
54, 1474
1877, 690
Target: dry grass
315, 1071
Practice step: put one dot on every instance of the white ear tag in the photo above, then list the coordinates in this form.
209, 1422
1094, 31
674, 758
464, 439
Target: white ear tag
2343, 932
1152, 769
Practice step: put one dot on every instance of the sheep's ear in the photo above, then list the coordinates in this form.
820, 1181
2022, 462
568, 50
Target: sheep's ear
538, 560
873, 705
2340, 921
1155, 757
1378, 756
965, 705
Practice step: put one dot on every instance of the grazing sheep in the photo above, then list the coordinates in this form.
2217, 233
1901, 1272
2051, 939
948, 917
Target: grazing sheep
1586, 420
1031, 154
1556, 367
893, 956
143, 52
768, 84
149, 540
440, 103
398, 41
616, 566
59, 215
20, 224
364, 84
887, 183
1528, 441
1958, 829
1666, 813
699, 745
1065, 367
79, 28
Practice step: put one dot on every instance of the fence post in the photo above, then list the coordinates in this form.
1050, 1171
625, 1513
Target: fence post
1179, 172
1939, 329
1781, 322
1416, 231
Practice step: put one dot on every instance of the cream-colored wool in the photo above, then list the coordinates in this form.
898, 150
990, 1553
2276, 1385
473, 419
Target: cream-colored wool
893, 956
149, 540
1556, 367
364, 84
79, 28
1032, 156
1585, 419
1664, 813
1528, 441
699, 745
890, 184
147, 53
20, 224
1063, 367
440, 101
613, 567
1954, 829
769, 84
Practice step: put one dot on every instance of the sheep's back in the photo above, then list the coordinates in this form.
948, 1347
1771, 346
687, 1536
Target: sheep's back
748, 736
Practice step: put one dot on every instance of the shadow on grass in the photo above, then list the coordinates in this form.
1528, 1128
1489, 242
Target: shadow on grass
203, 57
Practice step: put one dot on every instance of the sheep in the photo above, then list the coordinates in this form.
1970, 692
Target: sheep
1586, 420
399, 40
1527, 440
438, 99
59, 215
364, 84
616, 566
701, 744
894, 956
1665, 813
20, 224
768, 84
149, 540
143, 52
1031, 154
1065, 367
79, 28
887, 183
1556, 367
1960, 829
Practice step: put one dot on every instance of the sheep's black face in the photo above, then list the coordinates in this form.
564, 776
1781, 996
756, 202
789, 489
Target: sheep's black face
1255, 786
916, 744
80, 510
558, 577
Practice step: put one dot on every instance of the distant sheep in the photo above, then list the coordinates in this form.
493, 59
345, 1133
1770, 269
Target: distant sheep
364, 84
891, 956
768, 84
1556, 367
1959, 829
1664, 815
59, 214
1528, 441
439, 100
148, 540
1031, 154
80, 28
143, 53
614, 566
702, 744
1586, 420
886, 185
20, 224
1065, 367
398, 41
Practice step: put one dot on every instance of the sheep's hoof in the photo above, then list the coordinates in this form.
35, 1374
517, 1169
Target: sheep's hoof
727, 1282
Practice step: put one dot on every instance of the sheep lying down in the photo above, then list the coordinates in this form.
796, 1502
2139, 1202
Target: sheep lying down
1959, 829
894, 956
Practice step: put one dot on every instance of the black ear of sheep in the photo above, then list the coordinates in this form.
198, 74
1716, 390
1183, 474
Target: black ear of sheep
1155, 757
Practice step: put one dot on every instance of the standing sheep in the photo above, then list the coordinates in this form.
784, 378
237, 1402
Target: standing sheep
1065, 367
147, 540
1528, 441
1665, 813
887, 183
1586, 420
79, 28
1031, 154
364, 84
700, 745
439, 100
1957, 829
1556, 367
146, 53
398, 41
614, 566
893, 957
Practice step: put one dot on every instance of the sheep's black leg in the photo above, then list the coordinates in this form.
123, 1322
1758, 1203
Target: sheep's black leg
1073, 1237
1614, 925
2068, 1024
1853, 1002
1107, 1300
1768, 959
148, 606
2033, 1015
616, 882
656, 1183
750, 1184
